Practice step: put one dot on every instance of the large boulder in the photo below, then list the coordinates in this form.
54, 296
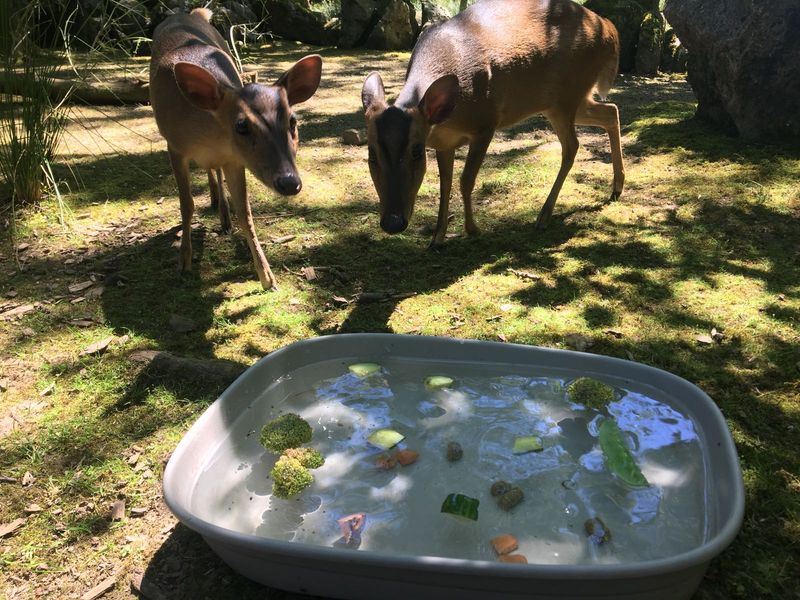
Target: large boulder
743, 63
627, 17
673, 54
358, 17
397, 29
294, 20
433, 13
648, 48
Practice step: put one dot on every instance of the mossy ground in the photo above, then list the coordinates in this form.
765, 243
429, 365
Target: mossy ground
705, 236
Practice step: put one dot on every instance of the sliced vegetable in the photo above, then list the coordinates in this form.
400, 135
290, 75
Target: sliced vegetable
510, 499
505, 543
531, 443
619, 459
436, 382
513, 558
385, 438
364, 369
406, 457
590, 392
461, 507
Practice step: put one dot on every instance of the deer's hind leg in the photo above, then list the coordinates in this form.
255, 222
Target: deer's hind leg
606, 115
216, 186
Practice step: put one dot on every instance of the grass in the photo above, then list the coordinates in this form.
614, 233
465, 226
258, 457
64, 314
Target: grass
705, 236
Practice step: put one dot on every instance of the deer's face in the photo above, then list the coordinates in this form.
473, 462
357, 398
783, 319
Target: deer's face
397, 161
261, 125
396, 138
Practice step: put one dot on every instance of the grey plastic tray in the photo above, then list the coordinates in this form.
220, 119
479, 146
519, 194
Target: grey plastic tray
339, 573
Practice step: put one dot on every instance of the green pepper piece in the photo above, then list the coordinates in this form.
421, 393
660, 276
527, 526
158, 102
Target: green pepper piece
461, 507
619, 459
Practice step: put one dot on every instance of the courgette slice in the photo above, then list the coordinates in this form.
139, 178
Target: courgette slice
619, 459
385, 438
531, 443
461, 507
364, 369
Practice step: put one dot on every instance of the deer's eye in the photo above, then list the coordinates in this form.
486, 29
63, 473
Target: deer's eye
417, 151
372, 156
242, 127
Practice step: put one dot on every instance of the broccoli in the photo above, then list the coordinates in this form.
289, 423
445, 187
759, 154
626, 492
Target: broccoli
289, 477
590, 392
287, 431
308, 457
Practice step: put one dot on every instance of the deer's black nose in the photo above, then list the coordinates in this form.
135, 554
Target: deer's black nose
393, 223
288, 185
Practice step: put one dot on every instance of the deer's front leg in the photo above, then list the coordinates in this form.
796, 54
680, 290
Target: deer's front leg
234, 175
180, 168
444, 159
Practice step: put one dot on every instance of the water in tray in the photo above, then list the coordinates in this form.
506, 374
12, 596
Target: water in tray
564, 485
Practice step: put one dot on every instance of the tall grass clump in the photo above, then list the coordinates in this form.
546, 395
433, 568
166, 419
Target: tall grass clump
30, 123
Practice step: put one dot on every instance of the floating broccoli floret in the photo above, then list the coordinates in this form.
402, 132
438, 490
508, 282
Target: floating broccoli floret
308, 457
287, 431
590, 392
289, 477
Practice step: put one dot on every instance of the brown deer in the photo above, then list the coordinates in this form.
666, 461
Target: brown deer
491, 66
207, 115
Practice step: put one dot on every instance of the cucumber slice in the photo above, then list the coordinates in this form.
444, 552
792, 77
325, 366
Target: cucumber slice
619, 459
436, 382
364, 369
385, 438
531, 443
461, 507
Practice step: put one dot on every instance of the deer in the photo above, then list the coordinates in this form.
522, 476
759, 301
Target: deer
493, 65
207, 115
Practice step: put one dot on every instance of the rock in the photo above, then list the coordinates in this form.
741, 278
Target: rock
294, 21
353, 137
627, 18
165, 366
673, 54
358, 17
648, 48
743, 63
433, 14
397, 28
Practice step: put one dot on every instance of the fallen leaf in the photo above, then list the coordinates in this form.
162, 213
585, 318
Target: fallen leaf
717, 336
48, 390
502, 337
138, 511
134, 458
100, 589
525, 274
7, 529
506, 307
79, 287
339, 301
32, 509
309, 273
97, 347
22, 247
28, 479
705, 339
117, 510
615, 332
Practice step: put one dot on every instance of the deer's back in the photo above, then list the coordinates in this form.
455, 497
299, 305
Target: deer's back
514, 58
188, 38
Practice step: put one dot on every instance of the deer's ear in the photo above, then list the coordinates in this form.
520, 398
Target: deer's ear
302, 80
198, 85
440, 99
372, 92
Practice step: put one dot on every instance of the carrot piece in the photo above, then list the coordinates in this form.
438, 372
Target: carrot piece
406, 457
512, 558
505, 544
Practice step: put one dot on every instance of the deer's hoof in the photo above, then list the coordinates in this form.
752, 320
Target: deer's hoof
614, 196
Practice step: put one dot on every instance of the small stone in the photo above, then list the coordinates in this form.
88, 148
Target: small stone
138, 511
511, 498
118, 510
28, 479
32, 509
705, 340
352, 137
500, 487
454, 451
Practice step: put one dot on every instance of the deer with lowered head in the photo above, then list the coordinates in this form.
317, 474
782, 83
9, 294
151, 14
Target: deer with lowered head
208, 116
491, 66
